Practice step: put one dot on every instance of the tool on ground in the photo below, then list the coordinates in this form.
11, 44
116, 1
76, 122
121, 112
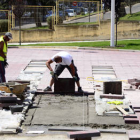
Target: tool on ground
115, 102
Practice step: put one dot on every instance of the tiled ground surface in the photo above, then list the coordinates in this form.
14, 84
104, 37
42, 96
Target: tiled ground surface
125, 63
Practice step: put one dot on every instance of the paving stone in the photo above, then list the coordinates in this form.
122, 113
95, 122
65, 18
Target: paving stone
134, 134
8, 131
131, 120
136, 110
6, 104
112, 113
130, 116
64, 85
8, 99
83, 134
136, 106
28, 120
119, 131
112, 96
113, 87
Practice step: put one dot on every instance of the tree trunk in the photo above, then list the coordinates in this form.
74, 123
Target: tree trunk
130, 6
20, 31
37, 18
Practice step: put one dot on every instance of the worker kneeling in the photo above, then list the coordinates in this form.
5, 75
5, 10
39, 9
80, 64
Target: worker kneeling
63, 60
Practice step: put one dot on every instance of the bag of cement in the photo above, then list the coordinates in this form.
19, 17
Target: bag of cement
101, 107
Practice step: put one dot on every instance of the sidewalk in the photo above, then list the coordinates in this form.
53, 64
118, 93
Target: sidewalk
125, 64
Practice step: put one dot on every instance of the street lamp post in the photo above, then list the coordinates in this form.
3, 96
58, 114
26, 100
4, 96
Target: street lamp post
112, 44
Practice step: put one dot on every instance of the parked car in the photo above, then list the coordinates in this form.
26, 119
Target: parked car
3, 15
78, 10
61, 14
85, 10
27, 14
71, 12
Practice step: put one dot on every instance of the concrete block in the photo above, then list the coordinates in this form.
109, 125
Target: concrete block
81, 135
8, 131
8, 99
130, 116
136, 106
119, 131
6, 104
134, 134
64, 85
136, 110
113, 87
112, 113
131, 120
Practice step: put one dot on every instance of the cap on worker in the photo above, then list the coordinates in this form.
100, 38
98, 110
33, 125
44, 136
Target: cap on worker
9, 35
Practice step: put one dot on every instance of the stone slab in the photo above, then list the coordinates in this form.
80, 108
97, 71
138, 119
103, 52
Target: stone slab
131, 120
112, 96
113, 87
6, 104
85, 93
130, 116
8, 99
64, 85
27, 120
134, 134
136, 110
83, 134
117, 131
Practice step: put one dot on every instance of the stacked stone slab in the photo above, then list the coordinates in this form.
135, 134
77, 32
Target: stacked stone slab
83, 135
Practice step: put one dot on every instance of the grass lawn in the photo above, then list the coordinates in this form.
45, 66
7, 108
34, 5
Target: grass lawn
123, 44
135, 16
82, 23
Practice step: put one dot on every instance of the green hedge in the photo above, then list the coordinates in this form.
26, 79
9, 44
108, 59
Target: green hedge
3, 25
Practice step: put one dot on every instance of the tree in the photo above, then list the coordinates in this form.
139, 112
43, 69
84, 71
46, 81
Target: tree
18, 11
39, 2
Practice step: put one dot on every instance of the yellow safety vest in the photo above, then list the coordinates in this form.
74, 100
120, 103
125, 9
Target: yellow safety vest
4, 48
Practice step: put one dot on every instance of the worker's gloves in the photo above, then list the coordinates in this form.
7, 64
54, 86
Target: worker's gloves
54, 75
5, 63
75, 78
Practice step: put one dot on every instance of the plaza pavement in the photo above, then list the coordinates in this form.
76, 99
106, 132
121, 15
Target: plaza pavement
126, 65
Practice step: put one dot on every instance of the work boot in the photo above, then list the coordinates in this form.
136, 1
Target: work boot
80, 90
48, 89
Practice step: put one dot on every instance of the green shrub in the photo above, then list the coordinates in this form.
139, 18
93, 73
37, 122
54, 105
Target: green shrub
3, 25
50, 22
82, 13
60, 20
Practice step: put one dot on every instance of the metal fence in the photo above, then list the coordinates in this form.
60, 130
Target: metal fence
74, 12
34, 16
5, 20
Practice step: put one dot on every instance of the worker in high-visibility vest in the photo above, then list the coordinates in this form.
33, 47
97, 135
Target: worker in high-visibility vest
3, 55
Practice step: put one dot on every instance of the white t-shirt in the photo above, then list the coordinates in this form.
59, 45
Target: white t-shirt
66, 58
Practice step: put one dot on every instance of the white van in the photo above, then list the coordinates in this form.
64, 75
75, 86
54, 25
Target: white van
71, 12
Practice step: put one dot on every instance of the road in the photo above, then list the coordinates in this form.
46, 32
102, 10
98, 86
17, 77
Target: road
107, 15
93, 18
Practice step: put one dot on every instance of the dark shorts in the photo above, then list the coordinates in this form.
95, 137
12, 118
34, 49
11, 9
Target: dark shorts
2, 72
59, 69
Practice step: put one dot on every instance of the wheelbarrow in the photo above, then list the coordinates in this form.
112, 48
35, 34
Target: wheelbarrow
15, 88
